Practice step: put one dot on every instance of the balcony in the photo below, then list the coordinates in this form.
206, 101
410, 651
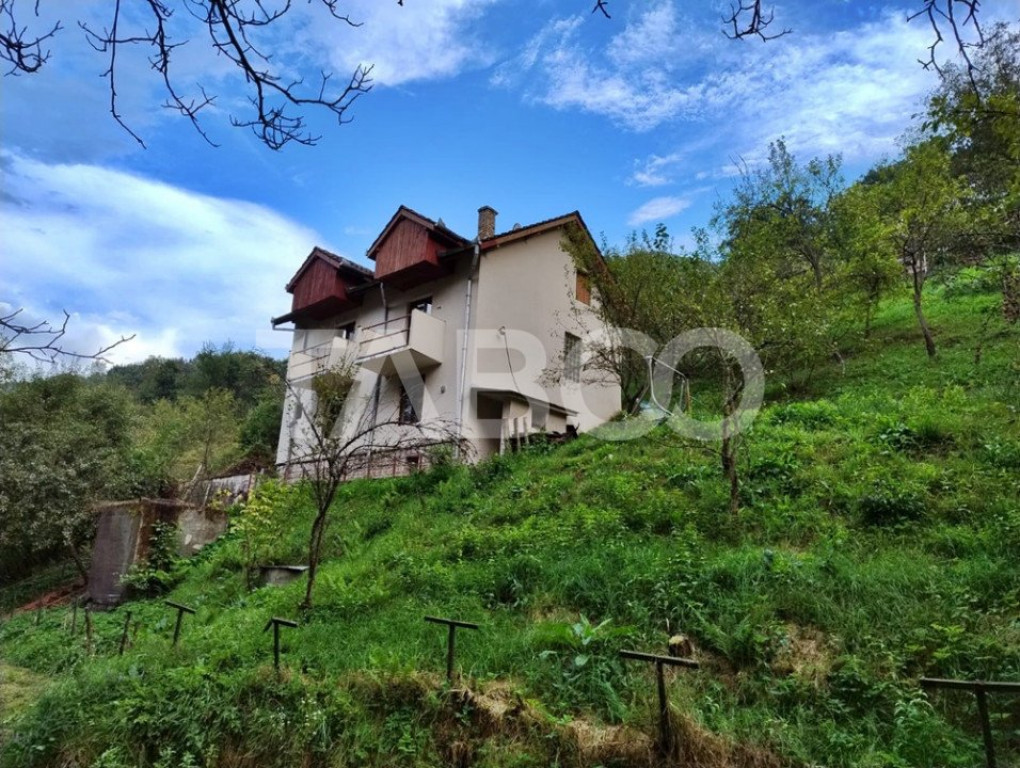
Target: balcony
416, 339
305, 364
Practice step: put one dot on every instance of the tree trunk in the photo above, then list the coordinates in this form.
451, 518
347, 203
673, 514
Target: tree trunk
314, 552
728, 454
79, 563
929, 340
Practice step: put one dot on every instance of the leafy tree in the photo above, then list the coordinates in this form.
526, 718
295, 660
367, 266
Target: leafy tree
156, 378
921, 218
868, 271
641, 287
260, 431
65, 445
180, 442
661, 295
978, 110
780, 212
246, 374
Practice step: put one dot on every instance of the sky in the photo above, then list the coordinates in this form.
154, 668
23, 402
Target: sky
536, 109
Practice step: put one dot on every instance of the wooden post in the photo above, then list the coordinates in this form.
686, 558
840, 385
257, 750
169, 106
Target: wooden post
660, 663
181, 610
124, 634
980, 689
74, 616
275, 623
452, 625
88, 630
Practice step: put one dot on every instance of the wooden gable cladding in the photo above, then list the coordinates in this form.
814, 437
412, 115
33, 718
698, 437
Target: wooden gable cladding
321, 289
408, 255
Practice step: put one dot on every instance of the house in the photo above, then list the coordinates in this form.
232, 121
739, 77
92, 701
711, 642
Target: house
484, 334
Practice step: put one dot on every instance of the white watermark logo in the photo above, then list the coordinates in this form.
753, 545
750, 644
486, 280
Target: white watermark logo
663, 370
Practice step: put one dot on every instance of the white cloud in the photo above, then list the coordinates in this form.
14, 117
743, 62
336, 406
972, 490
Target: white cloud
849, 90
404, 43
658, 209
128, 255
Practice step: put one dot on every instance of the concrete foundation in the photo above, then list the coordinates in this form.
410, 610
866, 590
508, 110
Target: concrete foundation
125, 530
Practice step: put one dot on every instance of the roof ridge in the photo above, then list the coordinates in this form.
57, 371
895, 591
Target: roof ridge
543, 222
342, 261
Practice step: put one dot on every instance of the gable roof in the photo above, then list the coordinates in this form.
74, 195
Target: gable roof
538, 228
337, 262
435, 228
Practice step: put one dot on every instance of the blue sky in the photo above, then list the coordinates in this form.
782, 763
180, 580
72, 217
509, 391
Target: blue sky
536, 109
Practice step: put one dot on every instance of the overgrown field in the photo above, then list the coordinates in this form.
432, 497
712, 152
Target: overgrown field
878, 542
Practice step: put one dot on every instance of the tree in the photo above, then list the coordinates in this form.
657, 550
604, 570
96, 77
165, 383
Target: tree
922, 218
737, 312
867, 270
344, 432
781, 212
180, 442
236, 30
637, 287
65, 445
978, 110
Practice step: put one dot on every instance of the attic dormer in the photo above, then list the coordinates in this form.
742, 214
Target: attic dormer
409, 249
323, 285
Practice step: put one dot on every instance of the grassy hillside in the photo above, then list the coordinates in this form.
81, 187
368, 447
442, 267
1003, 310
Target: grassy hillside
879, 541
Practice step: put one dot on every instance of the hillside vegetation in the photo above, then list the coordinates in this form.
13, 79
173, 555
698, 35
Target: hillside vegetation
877, 542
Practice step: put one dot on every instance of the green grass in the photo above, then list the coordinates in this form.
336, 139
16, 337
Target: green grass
878, 541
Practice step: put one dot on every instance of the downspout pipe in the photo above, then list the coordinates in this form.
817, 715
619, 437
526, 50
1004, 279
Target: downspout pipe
475, 257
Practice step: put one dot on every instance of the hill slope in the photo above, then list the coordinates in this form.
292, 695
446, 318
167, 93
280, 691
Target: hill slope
878, 542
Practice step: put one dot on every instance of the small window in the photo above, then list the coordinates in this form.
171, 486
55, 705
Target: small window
408, 413
582, 290
571, 358
422, 305
346, 332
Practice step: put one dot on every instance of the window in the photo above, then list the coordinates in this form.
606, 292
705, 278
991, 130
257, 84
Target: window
582, 290
409, 410
571, 357
345, 332
422, 305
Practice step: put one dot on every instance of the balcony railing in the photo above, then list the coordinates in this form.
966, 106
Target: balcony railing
418, 336
417, 339
310, 362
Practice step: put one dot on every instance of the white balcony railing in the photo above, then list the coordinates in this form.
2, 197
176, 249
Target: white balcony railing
310, 362
418, 335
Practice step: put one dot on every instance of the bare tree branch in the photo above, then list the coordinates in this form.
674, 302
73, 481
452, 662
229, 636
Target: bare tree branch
749, 20
943, 16
279, 103
25, 55
41, 341
344, 436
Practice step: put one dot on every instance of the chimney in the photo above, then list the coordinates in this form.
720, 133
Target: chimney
486, 222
